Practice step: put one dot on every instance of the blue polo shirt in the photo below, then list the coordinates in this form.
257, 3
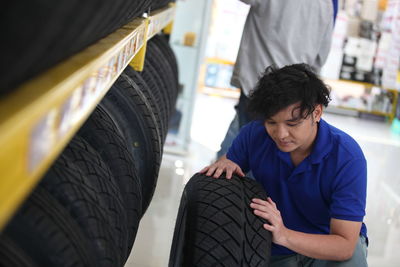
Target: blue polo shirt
330, 183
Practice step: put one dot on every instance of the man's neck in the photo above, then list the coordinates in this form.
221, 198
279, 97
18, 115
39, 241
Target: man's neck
300, 154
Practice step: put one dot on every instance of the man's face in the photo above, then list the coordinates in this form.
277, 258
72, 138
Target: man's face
291, 132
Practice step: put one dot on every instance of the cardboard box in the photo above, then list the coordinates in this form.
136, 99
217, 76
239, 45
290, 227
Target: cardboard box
353, 27
352, 47
365, 58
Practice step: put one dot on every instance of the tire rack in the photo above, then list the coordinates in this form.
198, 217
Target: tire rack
39, 118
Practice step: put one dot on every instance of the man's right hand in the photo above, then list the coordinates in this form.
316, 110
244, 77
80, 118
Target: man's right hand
223, 165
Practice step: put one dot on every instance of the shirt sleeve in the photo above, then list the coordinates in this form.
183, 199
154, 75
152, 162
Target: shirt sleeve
239, 150
349, 191
325, 44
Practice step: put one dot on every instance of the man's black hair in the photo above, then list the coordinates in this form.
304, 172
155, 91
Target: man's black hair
280, 88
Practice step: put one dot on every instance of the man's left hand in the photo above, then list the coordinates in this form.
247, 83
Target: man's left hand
267, 209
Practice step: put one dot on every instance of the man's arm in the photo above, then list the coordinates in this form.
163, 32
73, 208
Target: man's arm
339, 245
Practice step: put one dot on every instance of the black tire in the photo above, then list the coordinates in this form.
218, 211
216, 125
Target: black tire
163, 67
44, 229
167, 53
151, 99
146, 7
103, 184
216, 226
127, 105
54, 31
152, 80
162, 43
161, 3
151, 68
11, 255
65, 182
101, 132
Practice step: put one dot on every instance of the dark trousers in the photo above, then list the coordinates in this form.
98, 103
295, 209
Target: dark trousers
241, 118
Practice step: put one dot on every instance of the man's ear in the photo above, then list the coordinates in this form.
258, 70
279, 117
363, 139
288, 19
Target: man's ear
317, 112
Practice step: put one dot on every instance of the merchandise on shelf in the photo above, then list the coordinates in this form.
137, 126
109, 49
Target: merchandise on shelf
366, 49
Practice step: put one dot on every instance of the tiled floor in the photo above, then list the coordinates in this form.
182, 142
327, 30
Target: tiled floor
381, 147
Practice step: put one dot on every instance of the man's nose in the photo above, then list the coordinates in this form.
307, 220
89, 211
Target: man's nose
281, 132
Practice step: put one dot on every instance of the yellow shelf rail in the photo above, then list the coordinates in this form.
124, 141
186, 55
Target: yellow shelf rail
38, 119
395, 95
161, 19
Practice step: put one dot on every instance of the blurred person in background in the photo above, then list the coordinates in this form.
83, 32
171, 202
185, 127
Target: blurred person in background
278, 32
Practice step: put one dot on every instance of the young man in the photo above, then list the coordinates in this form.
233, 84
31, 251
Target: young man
314, 173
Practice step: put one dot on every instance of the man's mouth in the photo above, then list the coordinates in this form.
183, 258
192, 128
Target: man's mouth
285, 143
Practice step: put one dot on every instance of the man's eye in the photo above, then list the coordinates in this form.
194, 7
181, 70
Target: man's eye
270, 122
294, 123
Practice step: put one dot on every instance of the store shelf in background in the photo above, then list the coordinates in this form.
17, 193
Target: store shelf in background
215, 77
363, 97
40, 117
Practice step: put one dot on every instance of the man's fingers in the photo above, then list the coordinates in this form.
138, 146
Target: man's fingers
240, 172
265, 215
268, 227
204, 169
222, 165
258, 207
264, 206
210, 171
259, 201
218, 172
229, 174
270, 201
268, 204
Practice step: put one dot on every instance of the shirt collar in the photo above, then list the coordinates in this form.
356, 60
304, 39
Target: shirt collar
323, 143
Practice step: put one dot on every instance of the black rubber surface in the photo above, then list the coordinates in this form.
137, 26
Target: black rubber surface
161, 3
153, 81
129, 108
162, 43
103, 184
44, 229
38, 34
151, 98
76, 192
11, 255
216, 226
168, 82
101, 132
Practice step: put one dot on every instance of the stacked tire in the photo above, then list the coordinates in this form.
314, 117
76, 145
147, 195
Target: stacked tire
56, 30
87, 208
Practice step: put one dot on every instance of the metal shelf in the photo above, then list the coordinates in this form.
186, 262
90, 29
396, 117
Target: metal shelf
38, 119
390, 115
161, 19
368, 85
